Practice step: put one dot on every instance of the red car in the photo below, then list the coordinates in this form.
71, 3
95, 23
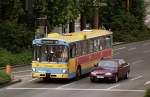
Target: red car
110, 69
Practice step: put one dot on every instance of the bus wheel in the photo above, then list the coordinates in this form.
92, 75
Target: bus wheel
78, 73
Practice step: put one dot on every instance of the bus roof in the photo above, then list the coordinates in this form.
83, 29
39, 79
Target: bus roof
77, 36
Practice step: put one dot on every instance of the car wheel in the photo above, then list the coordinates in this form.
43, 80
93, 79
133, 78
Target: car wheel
92, 80
127, 75
116, 79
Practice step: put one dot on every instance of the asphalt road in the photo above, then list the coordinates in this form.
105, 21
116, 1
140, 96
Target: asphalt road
137, 54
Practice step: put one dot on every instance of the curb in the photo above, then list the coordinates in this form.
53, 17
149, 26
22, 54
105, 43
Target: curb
10, 83
118, 43
15, 66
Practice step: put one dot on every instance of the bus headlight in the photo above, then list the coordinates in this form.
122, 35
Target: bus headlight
64, 71
33, 69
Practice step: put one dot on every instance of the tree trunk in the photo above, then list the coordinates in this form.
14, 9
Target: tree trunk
96, 19
71, 26
128, 5
83, 22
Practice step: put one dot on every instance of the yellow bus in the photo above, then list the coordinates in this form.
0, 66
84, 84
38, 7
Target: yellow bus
70, 55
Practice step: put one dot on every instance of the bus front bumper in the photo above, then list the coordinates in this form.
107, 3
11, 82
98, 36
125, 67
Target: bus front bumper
45, 75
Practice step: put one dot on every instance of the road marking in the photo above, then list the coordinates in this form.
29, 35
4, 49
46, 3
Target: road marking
146, 44
117, 53
119, 48
137, 62
22, 71
22, 76
113, 87
131, 49
65, 85
146, 83
77, 89
147, 51
138, 77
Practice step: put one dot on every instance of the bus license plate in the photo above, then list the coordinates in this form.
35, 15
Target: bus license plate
100, 76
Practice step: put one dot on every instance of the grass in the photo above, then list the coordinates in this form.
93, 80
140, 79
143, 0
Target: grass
147, 93
4, 78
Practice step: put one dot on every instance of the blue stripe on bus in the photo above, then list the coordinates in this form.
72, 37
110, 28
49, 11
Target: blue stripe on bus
72, 75
50, 70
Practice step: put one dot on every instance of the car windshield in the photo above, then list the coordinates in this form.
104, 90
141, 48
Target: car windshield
50, 53
111, 65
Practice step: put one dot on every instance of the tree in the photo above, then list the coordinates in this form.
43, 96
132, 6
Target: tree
10, 10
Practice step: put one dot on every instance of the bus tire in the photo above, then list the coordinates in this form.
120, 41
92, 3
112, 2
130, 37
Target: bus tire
78, 73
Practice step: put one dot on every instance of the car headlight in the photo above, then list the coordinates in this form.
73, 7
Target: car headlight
108, 74
33, 69
64, 71
93, 73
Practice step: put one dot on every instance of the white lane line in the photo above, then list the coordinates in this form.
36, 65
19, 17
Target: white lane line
22, 76
117, 53
65, 85
147, 51
137, 62
146, 83
131, 49
113, 87
22, 71
119, 48
77, 89
138, 77
146, 44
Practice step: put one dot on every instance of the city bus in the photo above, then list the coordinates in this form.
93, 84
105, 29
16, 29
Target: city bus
66, 56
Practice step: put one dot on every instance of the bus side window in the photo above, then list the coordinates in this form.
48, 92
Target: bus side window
84, 47
72, 51
78, 49
96, 44
91, 46
108, 41
103, 42
100, 43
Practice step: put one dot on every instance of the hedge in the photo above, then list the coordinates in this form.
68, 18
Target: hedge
6, 57
4, 78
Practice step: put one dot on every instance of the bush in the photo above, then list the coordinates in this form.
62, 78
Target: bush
4, 78
15, 37
147, 94
7, 57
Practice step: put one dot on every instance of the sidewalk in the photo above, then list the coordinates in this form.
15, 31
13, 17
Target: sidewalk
10, 83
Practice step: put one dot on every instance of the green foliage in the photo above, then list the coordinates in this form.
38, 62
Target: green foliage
10, 9
147, 94
61, 11
4, 78
14, 37
127, 26
7, 57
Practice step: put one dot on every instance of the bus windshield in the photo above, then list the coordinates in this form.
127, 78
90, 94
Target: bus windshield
50, 53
